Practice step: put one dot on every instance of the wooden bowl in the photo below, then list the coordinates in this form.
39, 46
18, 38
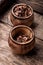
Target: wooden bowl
16, 20
21, 48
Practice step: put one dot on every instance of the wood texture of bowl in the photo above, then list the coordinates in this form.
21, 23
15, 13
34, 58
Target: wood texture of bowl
21, 48
20, 20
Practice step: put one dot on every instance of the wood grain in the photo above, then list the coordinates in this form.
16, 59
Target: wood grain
35, 57
37, 25
37, 5
32, 58
8, 58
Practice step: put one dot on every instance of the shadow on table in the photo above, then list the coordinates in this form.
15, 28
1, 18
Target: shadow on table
8, 6
34, 25
35, 54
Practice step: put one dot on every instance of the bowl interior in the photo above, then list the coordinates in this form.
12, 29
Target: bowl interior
21, 31
22, 4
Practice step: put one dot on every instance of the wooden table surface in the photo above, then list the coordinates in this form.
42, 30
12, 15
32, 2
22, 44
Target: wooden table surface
35, 57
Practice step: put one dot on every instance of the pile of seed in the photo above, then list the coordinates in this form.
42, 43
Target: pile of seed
23, 38
22, 11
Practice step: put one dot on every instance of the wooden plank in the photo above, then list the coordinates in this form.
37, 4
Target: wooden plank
4, 31
38, 25
6, 17
37, 5
35, 57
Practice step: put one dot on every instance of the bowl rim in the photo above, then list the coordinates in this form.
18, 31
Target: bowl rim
21, 17
19, 27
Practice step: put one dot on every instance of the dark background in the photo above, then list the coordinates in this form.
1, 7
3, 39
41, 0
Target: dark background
37, 5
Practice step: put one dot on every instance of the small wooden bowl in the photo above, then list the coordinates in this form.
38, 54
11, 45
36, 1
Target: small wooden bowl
16, 20
21, 48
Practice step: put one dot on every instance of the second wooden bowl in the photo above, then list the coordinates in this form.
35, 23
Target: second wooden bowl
21, 48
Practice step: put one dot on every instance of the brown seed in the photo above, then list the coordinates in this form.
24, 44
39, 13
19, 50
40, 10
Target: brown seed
16, 9
30, 13
24, 39
16, 13
22, 11
19, 38
26, 13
